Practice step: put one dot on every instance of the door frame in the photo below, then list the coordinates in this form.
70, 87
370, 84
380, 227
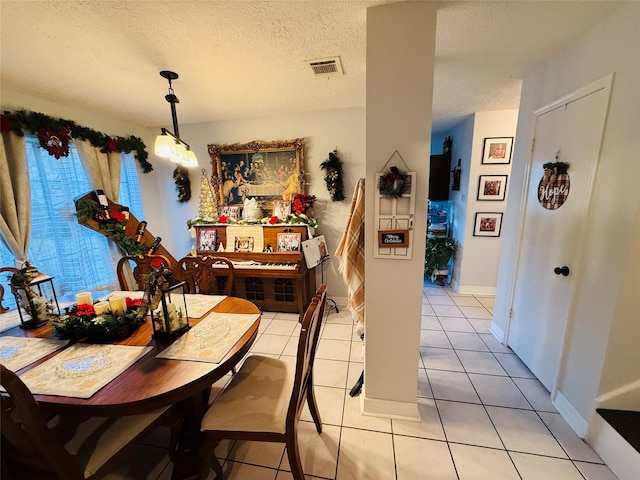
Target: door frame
604, 83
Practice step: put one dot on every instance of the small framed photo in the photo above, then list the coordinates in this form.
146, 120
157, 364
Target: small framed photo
231, 211
289, 242
497, 150
492, 187
281, 209
243, 244
487, 224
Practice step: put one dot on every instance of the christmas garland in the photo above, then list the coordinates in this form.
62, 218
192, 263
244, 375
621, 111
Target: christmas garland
393, 183
54, 135
333, 176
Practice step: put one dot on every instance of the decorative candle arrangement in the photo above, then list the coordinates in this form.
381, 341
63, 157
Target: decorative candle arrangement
84, 298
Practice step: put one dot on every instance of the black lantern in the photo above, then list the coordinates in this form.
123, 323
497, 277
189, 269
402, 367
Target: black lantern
35, 295
169, 318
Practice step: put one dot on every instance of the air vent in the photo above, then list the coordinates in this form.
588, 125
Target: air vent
326, 67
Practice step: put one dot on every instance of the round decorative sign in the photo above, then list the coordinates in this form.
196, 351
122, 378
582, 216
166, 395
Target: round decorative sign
553, 188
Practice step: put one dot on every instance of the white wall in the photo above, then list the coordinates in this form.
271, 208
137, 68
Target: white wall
400, 58
595, 359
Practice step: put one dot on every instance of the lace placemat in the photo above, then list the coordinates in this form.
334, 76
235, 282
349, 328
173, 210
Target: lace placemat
197, 305
18, 352
82, 369
211, 339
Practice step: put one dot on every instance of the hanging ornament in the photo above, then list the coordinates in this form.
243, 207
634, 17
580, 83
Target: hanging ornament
56, 142
183, 184
554, 185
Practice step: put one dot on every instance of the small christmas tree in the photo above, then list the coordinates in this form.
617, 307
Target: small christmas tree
208, 207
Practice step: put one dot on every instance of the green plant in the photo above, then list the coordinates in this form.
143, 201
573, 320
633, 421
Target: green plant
437, 254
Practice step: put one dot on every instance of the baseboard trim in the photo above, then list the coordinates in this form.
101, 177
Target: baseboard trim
376, 407
571, 415
475, 290
621, 458
496, 331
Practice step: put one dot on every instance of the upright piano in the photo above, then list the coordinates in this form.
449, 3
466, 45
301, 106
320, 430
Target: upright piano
276, 279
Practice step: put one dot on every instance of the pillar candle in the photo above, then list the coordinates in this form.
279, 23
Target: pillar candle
118, 305
101, 307
84, 298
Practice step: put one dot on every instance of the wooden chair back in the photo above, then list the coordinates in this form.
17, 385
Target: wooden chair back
307, 345
203, 274
132, 270
26, 439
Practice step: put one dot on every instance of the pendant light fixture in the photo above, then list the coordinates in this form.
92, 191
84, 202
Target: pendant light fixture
168, 144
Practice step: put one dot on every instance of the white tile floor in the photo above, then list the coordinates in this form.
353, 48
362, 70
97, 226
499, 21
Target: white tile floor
484, 415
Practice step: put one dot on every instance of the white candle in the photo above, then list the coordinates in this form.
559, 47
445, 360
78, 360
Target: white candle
84, 298
118, 305
40, 307
101, 307
174, 323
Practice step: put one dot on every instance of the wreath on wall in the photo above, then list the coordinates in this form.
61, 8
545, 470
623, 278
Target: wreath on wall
183, 184
54, 135
333, 176
394, 183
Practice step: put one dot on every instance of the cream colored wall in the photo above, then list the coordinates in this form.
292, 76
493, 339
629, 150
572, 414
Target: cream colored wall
400, 58
477, 263
323, 131
595, 361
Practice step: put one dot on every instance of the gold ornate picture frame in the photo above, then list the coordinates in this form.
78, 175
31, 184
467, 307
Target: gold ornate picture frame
266, 171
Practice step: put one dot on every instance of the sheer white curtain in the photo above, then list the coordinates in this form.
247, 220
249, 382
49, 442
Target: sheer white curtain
79, 258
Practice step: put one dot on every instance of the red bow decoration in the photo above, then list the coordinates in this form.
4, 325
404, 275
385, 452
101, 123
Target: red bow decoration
118, 216
157, 262
223, 219
273, 220
133, 302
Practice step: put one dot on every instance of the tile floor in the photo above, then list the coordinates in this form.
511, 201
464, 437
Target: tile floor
484, 415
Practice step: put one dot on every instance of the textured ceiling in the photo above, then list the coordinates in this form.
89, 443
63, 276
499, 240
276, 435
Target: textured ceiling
240, 59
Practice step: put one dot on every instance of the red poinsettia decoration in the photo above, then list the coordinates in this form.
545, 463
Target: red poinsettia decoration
85, 309
302, 202
273, 220
112, 144
133, 302
223, 219
118, 216
56, 142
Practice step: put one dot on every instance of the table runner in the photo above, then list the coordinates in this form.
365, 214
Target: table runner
197, 305
82, 369
211, 339
18, 352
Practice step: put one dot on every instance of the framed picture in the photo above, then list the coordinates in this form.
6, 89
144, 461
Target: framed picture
243, 244
492, 187
289, 242
497, 150
206, 239
487, 224
266, 171
281, 209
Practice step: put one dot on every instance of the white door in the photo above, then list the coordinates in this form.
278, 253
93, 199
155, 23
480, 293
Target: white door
568, 130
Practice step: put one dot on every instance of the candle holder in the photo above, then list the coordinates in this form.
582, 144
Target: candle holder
35, 296
170, 319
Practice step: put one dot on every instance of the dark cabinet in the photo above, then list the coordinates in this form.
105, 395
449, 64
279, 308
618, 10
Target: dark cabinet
439, 174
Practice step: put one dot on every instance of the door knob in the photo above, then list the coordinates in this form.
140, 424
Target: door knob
561, 270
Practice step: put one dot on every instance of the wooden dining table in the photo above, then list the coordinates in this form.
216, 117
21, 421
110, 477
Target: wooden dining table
152, 383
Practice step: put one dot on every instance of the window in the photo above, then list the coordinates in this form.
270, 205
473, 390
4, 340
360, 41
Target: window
78, 258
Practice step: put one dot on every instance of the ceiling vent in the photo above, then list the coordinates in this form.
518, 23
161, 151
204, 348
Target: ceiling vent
326, 67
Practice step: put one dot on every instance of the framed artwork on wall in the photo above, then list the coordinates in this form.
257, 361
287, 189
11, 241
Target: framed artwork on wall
497, 150
492, 187
487, 224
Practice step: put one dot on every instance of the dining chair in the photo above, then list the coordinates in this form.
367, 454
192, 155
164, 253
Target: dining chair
69, 446
204, 274
264, 400
132, 270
